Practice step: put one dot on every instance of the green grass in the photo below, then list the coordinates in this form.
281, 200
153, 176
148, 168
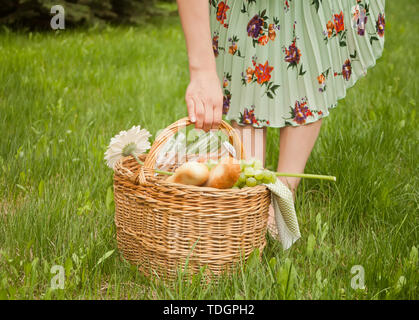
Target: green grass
64, 95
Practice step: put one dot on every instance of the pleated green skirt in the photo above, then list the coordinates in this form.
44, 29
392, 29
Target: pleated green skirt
288, 62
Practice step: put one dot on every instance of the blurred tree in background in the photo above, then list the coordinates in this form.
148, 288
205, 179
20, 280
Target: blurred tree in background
35, 14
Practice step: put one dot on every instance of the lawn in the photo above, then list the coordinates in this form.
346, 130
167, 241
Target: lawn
64, 95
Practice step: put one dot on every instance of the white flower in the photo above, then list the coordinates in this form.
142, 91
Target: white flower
135, 141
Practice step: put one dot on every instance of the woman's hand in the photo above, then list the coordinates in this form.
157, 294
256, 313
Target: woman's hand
204, 99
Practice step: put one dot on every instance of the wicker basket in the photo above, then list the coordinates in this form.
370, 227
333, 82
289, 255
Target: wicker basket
162, 225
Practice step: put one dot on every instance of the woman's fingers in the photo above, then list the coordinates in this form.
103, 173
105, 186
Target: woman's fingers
218, 114
191, 109
209, 116
204, 99
199, 112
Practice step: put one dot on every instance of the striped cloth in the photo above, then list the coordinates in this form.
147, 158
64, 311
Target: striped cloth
285, 217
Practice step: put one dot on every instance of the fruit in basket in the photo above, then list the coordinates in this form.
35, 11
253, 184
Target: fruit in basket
211, 164
225, 174
192, 173
253, 174
251, 182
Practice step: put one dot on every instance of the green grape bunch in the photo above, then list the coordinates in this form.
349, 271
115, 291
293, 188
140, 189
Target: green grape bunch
253, 174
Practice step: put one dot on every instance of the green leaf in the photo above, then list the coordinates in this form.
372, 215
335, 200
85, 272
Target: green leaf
413, 116
243, 10
109, 198
311, 242
104, 257
41, 188
301, 73
413, 256
327, 73
68, 266
272, 263
274, 87
373, 38
21, 187
84, 209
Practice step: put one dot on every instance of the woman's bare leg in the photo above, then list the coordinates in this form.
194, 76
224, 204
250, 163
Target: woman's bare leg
295, 145
254, 141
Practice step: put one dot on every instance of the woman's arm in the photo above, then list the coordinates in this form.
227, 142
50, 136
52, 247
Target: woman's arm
204, 97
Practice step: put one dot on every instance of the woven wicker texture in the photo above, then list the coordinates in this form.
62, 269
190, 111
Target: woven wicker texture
161, 225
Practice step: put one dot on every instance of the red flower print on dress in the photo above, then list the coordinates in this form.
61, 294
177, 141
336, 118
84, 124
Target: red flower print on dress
263, 40
222, 12
347, 70
259, 29
249, 74
322, 80
292, 54
227, 94
339, 23
232, 49
249, 117
271, 32
215, 45
381, 25
330, 27
225, 83
359, 18
336, 28
263, 72
254, 27
300, 112
286, 6
226, 103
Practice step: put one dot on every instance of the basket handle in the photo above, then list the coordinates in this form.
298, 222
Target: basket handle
170, 131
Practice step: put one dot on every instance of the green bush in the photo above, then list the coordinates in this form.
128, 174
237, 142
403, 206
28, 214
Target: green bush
35, 14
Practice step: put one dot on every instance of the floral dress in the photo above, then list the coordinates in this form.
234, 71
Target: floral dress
288, 62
